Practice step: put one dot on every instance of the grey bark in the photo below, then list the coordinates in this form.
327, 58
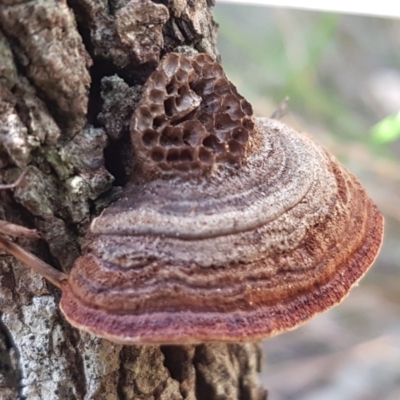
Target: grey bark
70, 77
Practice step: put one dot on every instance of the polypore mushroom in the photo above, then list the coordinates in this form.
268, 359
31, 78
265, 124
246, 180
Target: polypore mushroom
233, 229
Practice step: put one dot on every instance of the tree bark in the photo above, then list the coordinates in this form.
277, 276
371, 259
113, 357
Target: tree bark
70, 77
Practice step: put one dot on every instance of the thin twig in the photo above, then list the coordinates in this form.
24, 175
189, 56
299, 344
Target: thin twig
281, 109
56, 277
4, 186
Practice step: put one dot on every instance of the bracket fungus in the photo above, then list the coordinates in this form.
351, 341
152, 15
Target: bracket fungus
233, 229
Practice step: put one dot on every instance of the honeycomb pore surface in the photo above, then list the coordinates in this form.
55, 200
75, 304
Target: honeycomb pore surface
190, 118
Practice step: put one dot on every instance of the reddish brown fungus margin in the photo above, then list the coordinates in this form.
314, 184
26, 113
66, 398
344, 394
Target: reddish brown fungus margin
234, 228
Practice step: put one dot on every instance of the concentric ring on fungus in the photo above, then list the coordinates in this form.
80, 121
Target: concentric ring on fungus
234, 229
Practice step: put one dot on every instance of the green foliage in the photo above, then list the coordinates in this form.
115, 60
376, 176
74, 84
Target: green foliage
387, 130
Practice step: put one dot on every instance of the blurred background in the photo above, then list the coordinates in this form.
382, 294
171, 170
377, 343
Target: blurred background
342, 74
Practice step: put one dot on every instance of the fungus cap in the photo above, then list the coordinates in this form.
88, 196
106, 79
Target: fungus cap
251, 240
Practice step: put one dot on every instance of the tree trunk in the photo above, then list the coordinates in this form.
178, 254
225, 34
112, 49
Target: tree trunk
70, 77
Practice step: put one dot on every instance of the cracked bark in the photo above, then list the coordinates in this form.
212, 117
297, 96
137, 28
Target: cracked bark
70, 77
